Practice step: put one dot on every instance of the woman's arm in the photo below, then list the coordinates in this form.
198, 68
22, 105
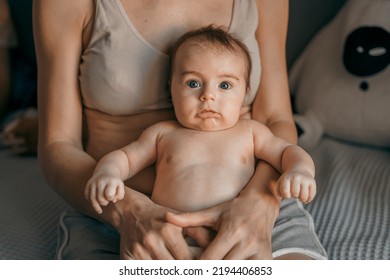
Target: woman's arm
58, 30
58, 26
272, 105
245, 224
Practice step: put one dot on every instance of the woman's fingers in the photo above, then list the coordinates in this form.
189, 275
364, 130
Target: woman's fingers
146, 234
140, 253
164, 244
178, 247
201, 235
241, 232
250, 249
194, 224
137, 253
215, 251
156, 247
206, 218
237, 253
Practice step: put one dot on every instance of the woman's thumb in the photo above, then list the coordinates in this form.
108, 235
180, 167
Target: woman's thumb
205, 218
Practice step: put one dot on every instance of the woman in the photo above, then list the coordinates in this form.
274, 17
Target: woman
103, 66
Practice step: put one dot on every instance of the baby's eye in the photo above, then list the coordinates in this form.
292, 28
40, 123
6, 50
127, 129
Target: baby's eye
193, 84
225, 85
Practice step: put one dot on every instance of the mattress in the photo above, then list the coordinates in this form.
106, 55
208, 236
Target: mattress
351, 211
29, 210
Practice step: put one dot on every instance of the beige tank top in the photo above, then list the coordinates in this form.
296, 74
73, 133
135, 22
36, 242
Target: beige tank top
121, 73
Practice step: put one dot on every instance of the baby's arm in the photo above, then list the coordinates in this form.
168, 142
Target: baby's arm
106, 184
295, 165
297, 179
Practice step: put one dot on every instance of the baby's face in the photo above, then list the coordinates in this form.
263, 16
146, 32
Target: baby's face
208, 87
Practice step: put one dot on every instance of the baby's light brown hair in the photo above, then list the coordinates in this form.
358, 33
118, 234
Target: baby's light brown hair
216, 37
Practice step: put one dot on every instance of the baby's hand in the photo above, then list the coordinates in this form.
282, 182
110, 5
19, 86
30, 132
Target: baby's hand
297, 184
101, 189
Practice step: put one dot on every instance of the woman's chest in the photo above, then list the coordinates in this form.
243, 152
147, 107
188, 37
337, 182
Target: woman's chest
161, 22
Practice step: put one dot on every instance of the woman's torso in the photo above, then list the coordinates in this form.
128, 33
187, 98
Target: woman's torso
124, 67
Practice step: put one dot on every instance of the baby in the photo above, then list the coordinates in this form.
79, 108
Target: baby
208, 155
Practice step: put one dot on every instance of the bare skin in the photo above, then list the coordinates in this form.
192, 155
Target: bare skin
68, 166
208, 156
191, 177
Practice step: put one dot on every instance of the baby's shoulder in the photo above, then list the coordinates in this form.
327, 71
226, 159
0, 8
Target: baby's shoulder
170, 124
251, 124
164, 126
254, 127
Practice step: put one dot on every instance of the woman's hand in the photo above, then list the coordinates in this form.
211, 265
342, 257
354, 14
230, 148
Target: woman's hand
145, 234
243, 225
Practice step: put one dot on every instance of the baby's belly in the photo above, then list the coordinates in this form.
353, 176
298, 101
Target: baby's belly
107, 133
197, 188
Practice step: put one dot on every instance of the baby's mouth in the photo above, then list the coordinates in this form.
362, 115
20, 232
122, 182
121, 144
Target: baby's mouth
207, 114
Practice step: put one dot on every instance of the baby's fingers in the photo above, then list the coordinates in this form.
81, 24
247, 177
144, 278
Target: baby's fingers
312, 192
87, 190
114, 191
102, 188
308, 192
93, 200
284, 188
120, 193
303, 193
296, 187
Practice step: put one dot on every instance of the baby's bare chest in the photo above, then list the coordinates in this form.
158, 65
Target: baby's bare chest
209, 148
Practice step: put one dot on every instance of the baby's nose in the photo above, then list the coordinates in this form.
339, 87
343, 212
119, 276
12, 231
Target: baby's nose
207, 95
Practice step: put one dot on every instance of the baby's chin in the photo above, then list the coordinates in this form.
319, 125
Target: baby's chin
208, 125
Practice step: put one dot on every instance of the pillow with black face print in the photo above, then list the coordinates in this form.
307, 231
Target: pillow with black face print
341, 81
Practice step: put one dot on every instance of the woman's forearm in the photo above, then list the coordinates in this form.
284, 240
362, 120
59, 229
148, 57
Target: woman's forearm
263, 186
67, 169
